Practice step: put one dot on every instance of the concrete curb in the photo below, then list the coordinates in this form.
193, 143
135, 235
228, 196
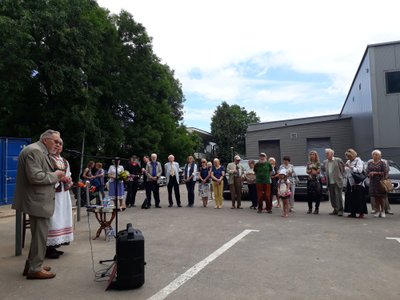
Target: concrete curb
6, 211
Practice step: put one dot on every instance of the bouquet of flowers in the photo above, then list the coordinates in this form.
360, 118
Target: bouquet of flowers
123, 176
82, 184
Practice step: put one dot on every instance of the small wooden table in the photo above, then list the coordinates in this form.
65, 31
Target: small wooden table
102, 214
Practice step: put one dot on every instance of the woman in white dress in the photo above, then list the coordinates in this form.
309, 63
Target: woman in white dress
61, 223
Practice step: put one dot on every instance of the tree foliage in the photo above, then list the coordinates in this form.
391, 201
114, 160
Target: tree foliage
228, 127
71, 66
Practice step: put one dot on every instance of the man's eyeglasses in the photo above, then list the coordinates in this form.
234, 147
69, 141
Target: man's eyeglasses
58, 142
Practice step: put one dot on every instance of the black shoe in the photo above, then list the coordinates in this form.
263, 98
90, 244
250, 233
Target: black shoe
179, 205
170, 205
158, 206
59, 252
51, 253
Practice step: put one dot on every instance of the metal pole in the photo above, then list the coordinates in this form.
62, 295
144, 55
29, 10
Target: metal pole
78, 209
87, 193
78, 205
18, 232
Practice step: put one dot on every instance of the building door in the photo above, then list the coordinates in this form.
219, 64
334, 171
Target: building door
272, 148
319, 145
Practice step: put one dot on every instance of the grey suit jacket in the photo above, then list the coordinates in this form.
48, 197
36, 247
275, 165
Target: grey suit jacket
338, 171
34, 192
167, 169
149, 171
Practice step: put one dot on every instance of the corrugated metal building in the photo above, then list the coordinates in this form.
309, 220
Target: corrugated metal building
370, 117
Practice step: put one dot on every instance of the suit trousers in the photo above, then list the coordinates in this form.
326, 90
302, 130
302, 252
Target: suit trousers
173, 183
264, 192
336, 198
291, 198
236, 191
37, 251
155, 188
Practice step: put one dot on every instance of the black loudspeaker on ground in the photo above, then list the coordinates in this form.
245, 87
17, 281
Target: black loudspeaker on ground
130, 259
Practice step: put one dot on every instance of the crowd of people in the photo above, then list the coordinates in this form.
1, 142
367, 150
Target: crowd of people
267, 182
44, 180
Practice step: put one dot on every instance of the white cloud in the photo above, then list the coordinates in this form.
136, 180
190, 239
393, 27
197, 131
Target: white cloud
309, 36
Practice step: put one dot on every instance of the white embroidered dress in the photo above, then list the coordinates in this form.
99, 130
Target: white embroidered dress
60, 224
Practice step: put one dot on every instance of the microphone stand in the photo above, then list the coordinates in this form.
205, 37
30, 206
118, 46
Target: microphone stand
116, 163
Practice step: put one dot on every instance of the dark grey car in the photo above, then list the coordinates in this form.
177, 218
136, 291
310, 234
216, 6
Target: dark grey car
394, 176
301, 182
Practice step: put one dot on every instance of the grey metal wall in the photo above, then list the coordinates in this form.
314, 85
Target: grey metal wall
358, 106
386, 116
293, 139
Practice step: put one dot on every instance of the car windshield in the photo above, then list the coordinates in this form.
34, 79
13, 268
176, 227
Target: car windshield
300, 170
245, 164
394, 171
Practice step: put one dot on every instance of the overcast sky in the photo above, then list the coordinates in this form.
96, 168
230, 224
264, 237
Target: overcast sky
281, 59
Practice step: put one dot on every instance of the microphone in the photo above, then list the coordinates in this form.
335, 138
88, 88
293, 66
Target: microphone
72, 151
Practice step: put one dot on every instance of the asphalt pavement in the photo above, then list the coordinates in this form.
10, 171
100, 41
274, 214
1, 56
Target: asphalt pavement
301, 257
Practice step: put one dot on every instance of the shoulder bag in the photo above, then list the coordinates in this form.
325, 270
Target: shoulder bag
358, 177
386, 185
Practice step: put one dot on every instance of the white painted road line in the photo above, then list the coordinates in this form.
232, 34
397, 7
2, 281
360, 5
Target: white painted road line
174, 285
393, 238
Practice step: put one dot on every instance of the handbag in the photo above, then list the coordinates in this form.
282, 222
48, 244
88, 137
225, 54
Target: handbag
386, 185
358, 177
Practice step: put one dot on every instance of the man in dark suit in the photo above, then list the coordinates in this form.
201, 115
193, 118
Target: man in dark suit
134, 170
34, 195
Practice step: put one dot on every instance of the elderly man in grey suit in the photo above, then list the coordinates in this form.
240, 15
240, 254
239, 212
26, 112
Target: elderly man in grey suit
334, 170
171, 169
34, 195
235, 181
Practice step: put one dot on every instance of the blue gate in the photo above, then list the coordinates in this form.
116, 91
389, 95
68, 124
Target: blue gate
9, 151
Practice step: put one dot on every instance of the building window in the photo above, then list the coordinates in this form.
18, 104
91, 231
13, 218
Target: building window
392, 82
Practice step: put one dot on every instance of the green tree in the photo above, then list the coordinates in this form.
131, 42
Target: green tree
228, 127
52, 54
71, 66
